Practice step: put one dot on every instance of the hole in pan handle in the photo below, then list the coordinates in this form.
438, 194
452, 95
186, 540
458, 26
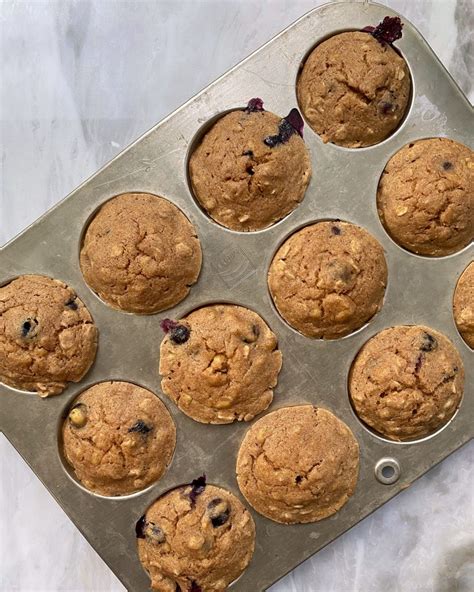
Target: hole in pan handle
387, 471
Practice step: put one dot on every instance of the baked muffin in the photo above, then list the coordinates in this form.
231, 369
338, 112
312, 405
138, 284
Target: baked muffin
140, 253
425, 197
251, 168
47, 335
220, 364
298, 464
406, 382
197, 538
328, 279
463, 305
118, 437
353, 89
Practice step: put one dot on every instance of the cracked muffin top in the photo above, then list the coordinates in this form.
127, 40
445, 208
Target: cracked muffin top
118, 437
463, 305
198, 538
328, 279
425, 197
140, 253
251, 168
47, 335
353, 89
220, 364
298, 464
406, 382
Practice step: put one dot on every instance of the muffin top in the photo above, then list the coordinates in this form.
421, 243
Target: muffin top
328, 279
463, 305
47, 335
250, 169
406, 382
220, 364
197, 538
298, 464
426, 197
118, 437
140, 253
353, 89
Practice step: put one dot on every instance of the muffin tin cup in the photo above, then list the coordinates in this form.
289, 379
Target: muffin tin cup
235, 265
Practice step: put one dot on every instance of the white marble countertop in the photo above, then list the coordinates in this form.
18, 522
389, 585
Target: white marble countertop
80, 81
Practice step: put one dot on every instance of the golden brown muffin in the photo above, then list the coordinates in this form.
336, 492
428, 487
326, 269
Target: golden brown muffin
298, 464
354, 90
197, 538
47, 335
328, 279
463, 305
406, 382
425, 197
220, 364
242, 178
140, 253
118, 437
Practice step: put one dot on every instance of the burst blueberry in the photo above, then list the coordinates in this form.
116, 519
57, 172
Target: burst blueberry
140, 528
197, 487
289, 125
388, 31
254, 105
140, 427
218, 511
72, 303
428, 343
29, 328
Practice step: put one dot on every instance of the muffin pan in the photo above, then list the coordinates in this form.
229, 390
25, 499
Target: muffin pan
235, 266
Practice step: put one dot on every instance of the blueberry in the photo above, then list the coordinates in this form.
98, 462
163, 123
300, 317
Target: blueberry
149, 531
388, 31
428, 343
154, 534
248, 153
197, 487
386, 107
29, 328
140, 427
250, 170
254, 105
255, 331
218, 511
447, 166
298, 479
180, 334
336, 230
72, 303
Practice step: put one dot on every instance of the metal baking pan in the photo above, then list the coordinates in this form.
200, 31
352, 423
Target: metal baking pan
234, 270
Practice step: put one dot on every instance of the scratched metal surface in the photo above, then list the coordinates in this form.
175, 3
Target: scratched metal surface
234, 270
